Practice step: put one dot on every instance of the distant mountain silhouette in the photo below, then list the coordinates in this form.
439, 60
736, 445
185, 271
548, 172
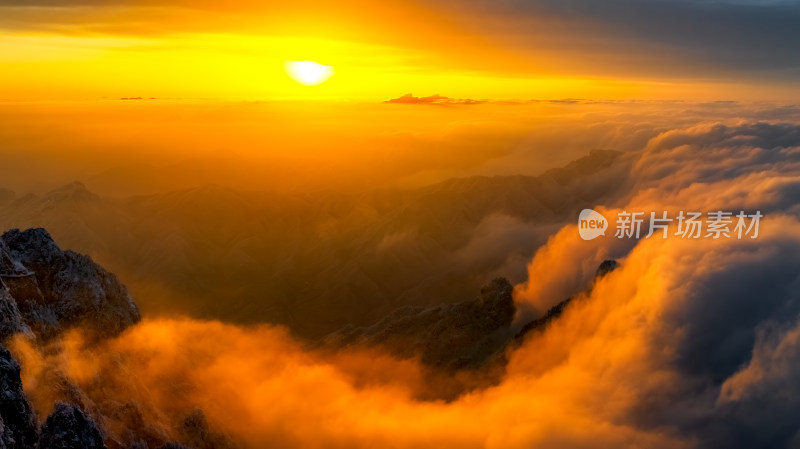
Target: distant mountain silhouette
316, 262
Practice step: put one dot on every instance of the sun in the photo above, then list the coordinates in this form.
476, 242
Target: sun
308, 73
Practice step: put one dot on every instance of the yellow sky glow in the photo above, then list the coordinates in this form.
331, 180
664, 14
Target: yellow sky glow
379, 52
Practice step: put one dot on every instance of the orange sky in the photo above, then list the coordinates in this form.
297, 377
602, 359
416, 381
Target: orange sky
380, 50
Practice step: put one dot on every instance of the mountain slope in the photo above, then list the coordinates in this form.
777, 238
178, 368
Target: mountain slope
317, 262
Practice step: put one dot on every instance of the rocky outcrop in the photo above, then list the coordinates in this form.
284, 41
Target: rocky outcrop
606, 267
539, 324
456, 336
198, 434
450, 336
45, 291
11, 321
70, 428
55, 290
19, 423
126, 426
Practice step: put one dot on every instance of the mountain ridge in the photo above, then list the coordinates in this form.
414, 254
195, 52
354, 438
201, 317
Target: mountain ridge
288, 259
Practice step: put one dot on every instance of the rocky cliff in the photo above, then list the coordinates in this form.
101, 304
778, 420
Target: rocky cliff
45, 291
472, 335
54, 290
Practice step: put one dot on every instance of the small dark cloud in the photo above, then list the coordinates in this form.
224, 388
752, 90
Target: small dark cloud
435, 99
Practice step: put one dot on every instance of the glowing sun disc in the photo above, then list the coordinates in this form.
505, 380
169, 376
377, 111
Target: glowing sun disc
308, 73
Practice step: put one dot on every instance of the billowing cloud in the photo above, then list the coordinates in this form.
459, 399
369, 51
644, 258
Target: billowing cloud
690, 343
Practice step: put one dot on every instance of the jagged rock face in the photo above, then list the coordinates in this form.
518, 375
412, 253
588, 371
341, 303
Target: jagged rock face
126, 426
174, 446
11, 321
70, 428
9, 266
497, 303
450, 336
197, 433
56, 289
19, 423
